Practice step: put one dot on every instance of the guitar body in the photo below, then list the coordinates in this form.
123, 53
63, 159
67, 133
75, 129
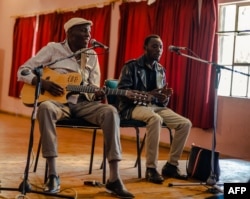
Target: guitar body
28, 91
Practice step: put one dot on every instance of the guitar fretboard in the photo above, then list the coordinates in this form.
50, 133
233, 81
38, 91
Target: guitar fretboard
110, 91
90, 89
79, 89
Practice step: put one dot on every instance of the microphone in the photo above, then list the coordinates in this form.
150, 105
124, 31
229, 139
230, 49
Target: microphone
95, 43
176, 48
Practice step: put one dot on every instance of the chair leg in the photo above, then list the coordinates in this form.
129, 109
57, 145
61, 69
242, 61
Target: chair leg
170, 135
37, 155
104, 165
92, 151
139, 148
36, 162
46, 172
101, 167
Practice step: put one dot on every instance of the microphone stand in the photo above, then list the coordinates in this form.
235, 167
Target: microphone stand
25, 187
211, 181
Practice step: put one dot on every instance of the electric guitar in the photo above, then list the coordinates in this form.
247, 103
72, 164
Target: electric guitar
70, 82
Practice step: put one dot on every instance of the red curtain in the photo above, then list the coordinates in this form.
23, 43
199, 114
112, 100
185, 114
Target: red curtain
47, 28
175, 26
202, 75
136, 21
177, 22
22, 49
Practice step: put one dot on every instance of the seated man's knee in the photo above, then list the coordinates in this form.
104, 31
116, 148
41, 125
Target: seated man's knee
187, 124
45, 107
157, 119
111, 111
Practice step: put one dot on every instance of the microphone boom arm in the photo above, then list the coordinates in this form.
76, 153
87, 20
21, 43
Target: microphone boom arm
213, 64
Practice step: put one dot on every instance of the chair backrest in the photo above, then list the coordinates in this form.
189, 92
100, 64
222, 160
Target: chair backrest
111, 83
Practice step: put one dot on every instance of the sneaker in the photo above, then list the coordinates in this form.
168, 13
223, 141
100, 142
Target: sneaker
117, 189
172, 171
52, 185
153, 176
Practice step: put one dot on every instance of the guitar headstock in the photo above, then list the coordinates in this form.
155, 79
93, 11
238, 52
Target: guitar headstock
140, 97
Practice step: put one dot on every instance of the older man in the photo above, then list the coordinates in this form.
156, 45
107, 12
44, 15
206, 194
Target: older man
84, 105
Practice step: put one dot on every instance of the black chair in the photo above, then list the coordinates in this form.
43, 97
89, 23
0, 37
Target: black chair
136, 124
76, 123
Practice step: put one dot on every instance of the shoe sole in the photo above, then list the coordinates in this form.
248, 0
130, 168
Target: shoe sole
176, 177
56, 191
160, 182
112, 192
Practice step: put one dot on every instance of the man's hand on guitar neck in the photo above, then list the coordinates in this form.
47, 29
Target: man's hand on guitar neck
139, 97
99, 94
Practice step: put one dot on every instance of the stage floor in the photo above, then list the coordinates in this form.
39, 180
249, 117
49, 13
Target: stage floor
73, 163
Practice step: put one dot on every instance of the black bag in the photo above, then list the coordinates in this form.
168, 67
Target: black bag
199, 164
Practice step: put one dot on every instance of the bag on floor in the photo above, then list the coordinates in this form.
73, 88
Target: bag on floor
199, 164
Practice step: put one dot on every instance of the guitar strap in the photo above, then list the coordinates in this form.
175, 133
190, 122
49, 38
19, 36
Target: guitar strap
84, 60
83, 65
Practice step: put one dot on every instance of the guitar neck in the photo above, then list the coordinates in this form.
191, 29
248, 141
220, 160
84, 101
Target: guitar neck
80, 88
91, 89
112, 91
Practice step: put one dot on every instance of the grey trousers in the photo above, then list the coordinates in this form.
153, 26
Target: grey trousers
154, 116
98, 113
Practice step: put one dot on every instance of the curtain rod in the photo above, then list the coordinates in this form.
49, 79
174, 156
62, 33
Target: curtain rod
98, 5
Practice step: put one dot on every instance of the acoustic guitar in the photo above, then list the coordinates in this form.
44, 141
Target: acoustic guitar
70, 82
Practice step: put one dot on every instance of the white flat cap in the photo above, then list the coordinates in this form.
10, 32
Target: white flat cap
76, 21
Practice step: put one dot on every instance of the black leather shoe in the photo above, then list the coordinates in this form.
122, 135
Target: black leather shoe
153, 176
52, 185
117, 189
172, 171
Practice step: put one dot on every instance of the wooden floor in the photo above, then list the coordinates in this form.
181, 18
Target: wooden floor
73, 165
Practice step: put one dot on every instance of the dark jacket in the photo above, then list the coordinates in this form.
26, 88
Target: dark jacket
133, 76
